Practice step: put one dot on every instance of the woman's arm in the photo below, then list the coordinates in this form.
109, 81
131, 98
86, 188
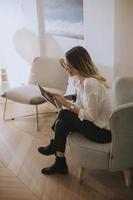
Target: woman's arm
92, 101
92, 108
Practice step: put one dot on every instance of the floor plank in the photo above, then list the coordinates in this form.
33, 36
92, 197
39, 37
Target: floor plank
11, 188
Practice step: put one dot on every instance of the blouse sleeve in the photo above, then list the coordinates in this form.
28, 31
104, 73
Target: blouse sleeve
78, 101
93, 102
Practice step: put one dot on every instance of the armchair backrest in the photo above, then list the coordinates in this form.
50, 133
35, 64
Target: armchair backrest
123, 90
121, 123
48, 72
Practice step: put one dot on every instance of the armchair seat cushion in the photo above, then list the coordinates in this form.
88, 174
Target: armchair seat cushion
89, 154
27, 94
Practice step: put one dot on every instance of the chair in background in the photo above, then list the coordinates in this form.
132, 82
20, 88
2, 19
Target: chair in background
44, 71
117, 155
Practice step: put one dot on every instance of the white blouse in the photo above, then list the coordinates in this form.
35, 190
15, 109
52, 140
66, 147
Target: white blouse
94, 101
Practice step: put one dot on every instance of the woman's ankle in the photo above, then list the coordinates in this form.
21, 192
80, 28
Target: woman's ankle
60, 154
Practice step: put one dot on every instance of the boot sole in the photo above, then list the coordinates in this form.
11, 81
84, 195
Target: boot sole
47, 154
56, 173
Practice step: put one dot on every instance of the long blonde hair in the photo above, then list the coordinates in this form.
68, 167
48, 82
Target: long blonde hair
79, 58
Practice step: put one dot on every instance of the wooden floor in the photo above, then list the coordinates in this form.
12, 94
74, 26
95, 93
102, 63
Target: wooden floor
20, 164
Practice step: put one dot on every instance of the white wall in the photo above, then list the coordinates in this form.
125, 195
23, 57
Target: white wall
22, 38
100, 30
99, 35
123, 38
19, 38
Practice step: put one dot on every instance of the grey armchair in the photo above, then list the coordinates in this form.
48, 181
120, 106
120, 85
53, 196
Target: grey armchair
48, 73
117, 155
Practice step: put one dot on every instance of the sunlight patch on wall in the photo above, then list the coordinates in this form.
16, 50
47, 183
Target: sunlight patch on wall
11, 20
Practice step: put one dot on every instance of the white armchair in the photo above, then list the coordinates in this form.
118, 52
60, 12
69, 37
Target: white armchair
117, 155
48, 73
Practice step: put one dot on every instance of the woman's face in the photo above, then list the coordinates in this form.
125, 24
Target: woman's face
71, 70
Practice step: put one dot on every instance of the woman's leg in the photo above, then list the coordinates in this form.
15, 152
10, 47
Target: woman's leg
63, 125
68, 121
73, 123
94, 133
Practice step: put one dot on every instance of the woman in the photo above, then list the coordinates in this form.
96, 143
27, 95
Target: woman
89, 115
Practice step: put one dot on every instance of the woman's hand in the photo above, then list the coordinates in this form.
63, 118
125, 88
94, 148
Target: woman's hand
62, 101
59, 100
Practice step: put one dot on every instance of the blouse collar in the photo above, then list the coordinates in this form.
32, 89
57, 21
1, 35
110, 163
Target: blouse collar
78, 82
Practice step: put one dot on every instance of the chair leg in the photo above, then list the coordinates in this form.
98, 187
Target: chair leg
4, 112
36, 115
81, 174
127, 176
37, 123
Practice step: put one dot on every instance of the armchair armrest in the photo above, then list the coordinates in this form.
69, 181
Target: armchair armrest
121, 124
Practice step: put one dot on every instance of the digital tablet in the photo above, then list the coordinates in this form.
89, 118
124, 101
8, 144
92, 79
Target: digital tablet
48, 96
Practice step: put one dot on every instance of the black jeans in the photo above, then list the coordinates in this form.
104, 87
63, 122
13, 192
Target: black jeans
68, 121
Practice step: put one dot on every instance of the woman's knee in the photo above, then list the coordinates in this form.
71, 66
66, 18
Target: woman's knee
65, 114
61, 122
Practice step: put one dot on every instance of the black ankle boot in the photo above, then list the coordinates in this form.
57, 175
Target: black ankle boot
59, 167
48, 150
